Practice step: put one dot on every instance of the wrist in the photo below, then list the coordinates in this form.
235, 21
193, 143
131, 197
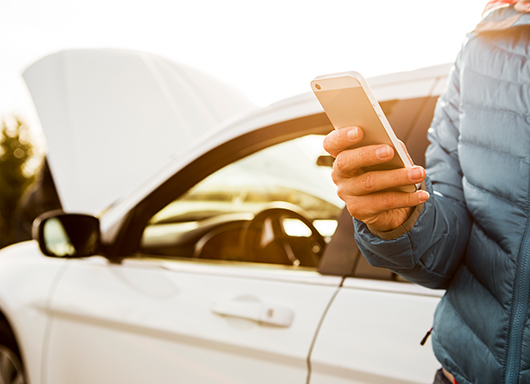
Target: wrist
404, 227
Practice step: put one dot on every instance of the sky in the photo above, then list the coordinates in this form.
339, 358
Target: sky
269, 50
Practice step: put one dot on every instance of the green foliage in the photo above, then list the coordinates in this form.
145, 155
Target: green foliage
15, 151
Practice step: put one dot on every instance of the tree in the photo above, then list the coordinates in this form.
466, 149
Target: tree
16, 149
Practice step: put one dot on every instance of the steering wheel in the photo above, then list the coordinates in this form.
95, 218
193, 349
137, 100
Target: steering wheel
264, 238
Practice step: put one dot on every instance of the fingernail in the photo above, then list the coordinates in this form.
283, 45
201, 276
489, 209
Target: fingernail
423, 196
416, 174
353, 134
383, 152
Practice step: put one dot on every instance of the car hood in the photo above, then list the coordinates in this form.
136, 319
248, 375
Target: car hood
112, 118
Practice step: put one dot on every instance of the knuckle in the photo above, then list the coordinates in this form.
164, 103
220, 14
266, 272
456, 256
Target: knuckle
341, 194
340, 162
352, 209
357, 209
345, 194
368, 182
388, 199
348, 190
335, 177
353, 206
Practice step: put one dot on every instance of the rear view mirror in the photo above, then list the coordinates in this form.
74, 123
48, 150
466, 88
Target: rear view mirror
67, 234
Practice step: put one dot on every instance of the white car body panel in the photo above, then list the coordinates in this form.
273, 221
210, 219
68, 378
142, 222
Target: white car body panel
114, 117
168, 320
404, 85
24, 300
394, 317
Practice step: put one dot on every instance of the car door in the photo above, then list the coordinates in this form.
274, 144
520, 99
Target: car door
195, 303
159, 321
373, 332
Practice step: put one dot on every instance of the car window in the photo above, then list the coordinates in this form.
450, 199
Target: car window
278, 205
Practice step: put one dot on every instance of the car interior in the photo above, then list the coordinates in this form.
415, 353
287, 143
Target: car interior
277, 205
274, 206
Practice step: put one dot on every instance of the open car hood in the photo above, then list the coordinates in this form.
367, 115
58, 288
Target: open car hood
112, 118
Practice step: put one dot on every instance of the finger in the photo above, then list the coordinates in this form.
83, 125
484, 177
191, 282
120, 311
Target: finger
368, 206
341, 139
371, 182
347, 163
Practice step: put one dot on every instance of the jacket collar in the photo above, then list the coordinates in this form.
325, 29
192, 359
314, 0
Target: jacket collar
503, 16
496, 4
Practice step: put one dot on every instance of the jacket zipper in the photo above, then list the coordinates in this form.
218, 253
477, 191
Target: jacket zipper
520, 303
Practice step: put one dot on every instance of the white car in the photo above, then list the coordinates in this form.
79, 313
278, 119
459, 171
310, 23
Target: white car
210, 246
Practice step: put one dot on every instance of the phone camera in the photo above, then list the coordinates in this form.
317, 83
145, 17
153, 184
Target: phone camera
317, 86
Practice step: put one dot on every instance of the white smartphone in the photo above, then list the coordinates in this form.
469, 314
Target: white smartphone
348, 101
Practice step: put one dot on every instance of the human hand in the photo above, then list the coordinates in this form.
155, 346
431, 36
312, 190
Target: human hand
366, 193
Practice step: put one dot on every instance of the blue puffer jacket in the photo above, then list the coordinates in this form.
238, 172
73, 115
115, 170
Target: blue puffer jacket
472, 237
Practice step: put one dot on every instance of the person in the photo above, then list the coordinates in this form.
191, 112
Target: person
467, 229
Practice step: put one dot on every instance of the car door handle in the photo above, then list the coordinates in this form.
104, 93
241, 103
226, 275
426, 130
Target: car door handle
256, 311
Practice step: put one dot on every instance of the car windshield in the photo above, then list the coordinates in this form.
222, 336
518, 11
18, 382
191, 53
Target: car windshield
288, 172
294, 176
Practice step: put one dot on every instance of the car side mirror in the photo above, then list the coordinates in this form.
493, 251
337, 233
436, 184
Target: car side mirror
67, 234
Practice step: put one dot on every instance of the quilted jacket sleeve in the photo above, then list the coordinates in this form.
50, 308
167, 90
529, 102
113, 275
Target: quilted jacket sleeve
432, 250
